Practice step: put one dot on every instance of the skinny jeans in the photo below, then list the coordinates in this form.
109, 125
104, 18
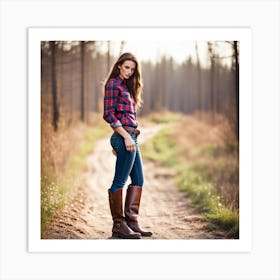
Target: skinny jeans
127, 163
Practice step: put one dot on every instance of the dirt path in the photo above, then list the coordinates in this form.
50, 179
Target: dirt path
164, 210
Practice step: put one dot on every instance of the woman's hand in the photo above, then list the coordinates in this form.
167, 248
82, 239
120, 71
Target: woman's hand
129, 144
128, 141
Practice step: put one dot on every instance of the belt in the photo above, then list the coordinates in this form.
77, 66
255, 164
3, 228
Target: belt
132, 129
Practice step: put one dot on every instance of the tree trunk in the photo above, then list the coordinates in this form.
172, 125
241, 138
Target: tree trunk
82, 81
236, 59
108, 57
55, 111
212, 77
198, 79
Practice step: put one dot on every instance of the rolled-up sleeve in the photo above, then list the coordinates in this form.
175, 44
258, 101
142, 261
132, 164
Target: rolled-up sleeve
110, 102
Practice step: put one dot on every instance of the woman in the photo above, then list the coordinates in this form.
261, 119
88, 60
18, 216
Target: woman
122, 97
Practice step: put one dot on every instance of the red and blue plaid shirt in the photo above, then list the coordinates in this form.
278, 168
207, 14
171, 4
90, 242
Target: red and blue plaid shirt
119, 104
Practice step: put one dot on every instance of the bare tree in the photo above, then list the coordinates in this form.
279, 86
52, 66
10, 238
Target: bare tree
122, 47
236, 63
199, 93
82, 56
108, 56
212, 79
55, 111
164, 77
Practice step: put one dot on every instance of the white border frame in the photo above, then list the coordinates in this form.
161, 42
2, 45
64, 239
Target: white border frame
36, 35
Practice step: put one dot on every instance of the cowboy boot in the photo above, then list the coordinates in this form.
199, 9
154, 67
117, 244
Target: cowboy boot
120, 228
132, 203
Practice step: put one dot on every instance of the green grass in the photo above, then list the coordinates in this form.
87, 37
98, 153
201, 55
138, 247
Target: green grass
52, 199
195, 179
161, 148
56, 189
207, 200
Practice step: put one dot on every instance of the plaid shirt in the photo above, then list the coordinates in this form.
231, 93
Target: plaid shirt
119, 104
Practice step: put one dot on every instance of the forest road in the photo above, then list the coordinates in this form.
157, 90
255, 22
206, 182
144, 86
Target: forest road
164, 210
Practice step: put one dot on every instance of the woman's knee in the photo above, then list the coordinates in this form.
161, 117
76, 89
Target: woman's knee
116, 187
137, 182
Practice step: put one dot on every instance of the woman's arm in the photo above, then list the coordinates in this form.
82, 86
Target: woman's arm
128, 141
110, 102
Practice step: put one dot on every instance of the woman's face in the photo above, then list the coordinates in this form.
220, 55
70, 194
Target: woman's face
127, 69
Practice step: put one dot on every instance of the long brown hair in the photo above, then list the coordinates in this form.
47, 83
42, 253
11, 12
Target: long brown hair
134, 83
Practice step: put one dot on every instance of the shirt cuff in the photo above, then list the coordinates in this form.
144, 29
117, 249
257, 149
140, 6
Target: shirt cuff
116, 124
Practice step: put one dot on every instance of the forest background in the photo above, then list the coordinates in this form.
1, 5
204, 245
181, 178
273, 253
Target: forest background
202, 87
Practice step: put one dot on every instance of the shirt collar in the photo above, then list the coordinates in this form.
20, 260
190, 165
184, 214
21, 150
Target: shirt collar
120, 80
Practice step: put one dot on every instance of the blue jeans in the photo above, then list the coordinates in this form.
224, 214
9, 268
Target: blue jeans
127, 163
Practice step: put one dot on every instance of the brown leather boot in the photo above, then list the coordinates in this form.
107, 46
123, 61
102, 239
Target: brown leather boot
120, 228
132, 203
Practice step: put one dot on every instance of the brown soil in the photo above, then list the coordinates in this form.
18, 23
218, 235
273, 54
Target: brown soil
164, 210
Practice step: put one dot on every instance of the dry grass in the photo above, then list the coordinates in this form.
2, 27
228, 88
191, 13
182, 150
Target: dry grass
56, 147
62, 158
213, 152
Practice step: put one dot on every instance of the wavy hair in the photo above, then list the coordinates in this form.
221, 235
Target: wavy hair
134, 83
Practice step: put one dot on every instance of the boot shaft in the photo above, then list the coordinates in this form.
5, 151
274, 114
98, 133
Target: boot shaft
116, 205
132, 202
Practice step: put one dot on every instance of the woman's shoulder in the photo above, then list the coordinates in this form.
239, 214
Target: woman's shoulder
113, 82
